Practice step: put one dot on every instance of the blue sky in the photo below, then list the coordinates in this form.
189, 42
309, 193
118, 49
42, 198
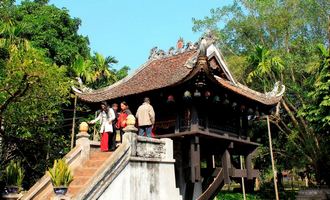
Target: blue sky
129, 29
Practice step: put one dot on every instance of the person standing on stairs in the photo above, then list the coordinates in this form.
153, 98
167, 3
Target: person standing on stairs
106, 116
122, 117
146, 118
112, 137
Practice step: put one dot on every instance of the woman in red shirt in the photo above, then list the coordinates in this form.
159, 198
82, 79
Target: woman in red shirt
121, 123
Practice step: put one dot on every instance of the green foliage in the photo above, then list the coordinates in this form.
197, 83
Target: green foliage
262, 66
236, 196
60, 173
121, 73
97, 71
318, 111
14, 174
52, 29
40, 54
32, 93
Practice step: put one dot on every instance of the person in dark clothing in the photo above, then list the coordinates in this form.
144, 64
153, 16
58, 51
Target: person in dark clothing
112, 139
121, 123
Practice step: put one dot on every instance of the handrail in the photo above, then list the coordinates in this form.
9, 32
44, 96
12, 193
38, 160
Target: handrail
213, 187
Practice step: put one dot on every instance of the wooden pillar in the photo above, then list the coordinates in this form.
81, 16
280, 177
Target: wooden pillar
207, 123
272, 159
243, 185
226, 165
73, 121
248, 166
194, 119
177, 124
195, 160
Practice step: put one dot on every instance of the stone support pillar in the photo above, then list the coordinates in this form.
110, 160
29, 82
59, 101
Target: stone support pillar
83, 141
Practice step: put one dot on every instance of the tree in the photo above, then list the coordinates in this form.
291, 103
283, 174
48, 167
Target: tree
102, 73
49, 28
97, 71
317, 111
32, 93
121, 73
261, 32
40, 53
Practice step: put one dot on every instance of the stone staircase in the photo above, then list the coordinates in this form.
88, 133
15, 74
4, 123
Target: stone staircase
99, 175
82, 175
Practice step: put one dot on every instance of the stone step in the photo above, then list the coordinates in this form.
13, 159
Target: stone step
93, 163
100, 156
80, 180
85, 171
74, 189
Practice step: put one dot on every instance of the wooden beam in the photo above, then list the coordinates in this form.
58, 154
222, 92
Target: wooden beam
238, 173
204, 133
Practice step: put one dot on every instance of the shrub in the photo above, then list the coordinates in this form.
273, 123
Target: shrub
60, 174
14, 174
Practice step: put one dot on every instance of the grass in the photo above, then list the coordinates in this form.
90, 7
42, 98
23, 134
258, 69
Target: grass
228, 195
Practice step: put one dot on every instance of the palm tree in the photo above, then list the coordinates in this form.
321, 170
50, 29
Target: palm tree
263, 66
96, 71
103, 74
82, 68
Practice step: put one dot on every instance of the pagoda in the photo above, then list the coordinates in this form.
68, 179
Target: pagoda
202, 108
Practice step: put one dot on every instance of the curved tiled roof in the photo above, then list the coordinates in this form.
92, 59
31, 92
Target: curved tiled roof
252, 94
173, 69
152, 75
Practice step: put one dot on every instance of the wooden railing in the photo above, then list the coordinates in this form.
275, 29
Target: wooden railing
184, 125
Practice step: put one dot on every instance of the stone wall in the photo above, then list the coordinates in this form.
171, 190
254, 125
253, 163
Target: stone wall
149, 173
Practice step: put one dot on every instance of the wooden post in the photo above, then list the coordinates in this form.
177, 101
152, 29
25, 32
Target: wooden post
272, 158
243, 185
95, 133
177, 123
195, 160
226, 165
207, 123
248, 166
73, 121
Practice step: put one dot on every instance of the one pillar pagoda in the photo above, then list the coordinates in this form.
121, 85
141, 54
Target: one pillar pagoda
202, 108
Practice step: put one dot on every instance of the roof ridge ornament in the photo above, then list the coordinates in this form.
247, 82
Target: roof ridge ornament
156, 53
276, 92
205, 41
81, 87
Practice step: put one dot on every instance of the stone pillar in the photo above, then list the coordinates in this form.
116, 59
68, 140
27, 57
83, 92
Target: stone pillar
169, 148
130, 121
130, 133
83, 141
